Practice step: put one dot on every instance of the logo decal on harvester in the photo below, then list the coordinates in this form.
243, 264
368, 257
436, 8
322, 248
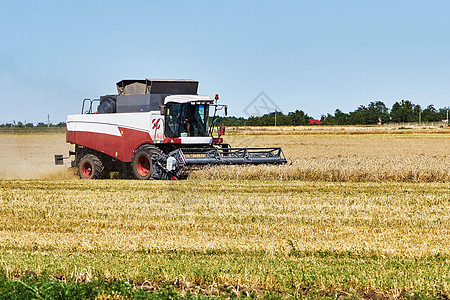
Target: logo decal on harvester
156, 122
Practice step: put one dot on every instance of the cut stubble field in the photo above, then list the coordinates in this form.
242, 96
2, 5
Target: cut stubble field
378, 226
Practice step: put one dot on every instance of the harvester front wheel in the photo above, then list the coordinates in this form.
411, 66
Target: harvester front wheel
90, 167
142, 163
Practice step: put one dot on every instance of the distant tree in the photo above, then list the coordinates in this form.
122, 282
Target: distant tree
370, 114
341, 117
251, 121
299, 117
375, 111
358, 116
296, 118
404, 112
431, 114
328, 119
267, 119
231, 121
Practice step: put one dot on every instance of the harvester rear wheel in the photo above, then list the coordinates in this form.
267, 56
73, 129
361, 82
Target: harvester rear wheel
90, 167
142, 163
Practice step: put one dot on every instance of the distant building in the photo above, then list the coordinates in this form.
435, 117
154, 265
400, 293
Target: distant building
314, 122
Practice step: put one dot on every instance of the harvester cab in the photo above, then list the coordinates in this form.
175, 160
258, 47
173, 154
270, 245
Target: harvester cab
188, 116
154, 129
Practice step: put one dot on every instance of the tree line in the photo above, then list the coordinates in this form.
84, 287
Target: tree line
374, 113
31, 125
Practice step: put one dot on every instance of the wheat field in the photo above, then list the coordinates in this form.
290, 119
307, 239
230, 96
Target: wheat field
422, 156
378, 226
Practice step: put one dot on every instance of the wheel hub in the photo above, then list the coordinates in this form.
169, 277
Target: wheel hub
143, 166
87, 170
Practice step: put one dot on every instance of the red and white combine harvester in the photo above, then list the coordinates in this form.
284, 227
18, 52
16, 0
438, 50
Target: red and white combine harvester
153, 129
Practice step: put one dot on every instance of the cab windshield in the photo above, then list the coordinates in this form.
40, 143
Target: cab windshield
186, 119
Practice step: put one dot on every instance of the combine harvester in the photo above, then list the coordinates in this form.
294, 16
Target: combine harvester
153, 129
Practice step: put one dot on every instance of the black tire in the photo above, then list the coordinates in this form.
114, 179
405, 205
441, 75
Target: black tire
142, 163
91, 167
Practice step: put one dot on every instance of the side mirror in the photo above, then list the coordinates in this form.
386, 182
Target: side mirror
162, 109
226, 111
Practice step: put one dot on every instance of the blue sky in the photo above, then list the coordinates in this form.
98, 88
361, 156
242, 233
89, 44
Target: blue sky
310, 55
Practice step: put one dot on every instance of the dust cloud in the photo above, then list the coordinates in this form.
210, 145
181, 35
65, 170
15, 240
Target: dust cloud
31, 156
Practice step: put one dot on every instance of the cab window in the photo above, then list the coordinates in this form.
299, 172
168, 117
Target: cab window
186, 119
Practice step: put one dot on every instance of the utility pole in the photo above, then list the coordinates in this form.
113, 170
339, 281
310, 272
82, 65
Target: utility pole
420, 115
48, 120
276, 117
